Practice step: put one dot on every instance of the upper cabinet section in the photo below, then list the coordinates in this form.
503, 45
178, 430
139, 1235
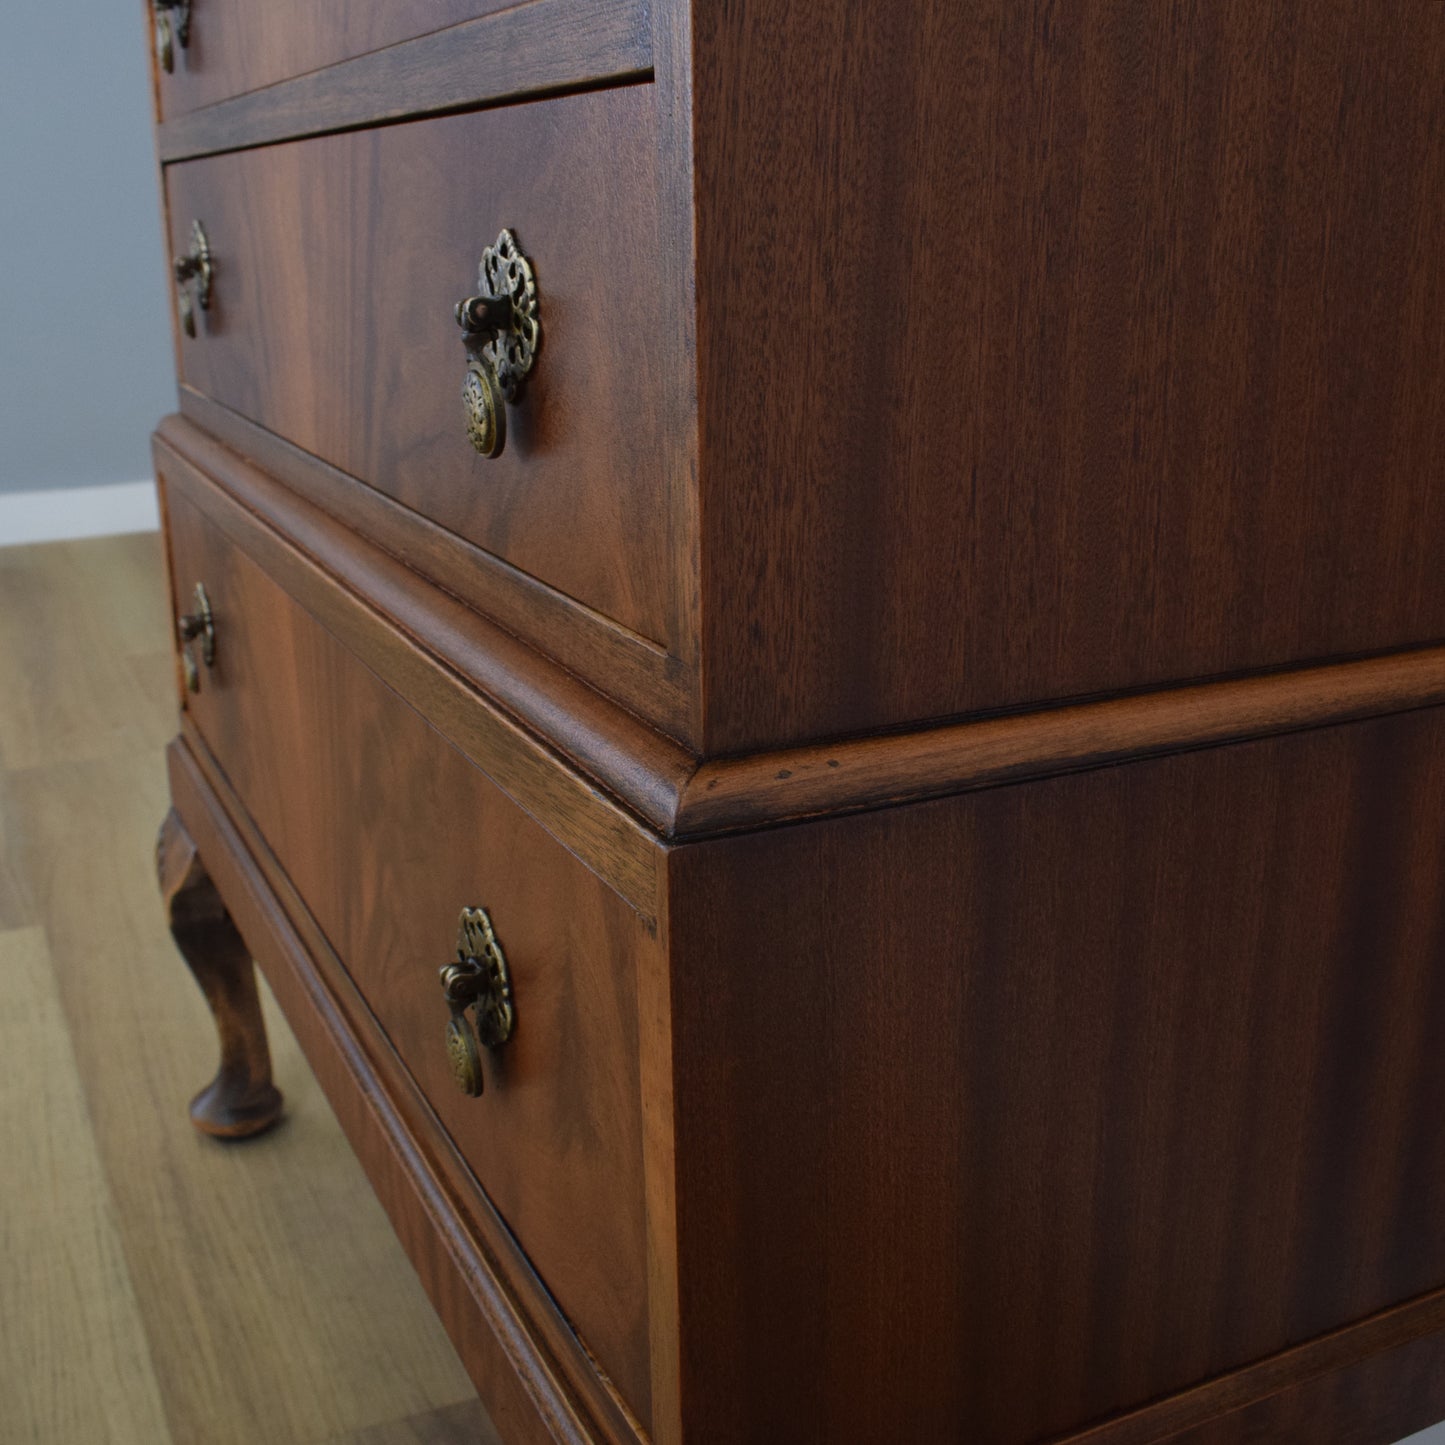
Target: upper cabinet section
221, 48
900, 362
1054, 350
338, 263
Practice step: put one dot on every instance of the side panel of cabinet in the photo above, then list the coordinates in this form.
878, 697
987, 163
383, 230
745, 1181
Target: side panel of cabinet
1052, 350
1001, 1114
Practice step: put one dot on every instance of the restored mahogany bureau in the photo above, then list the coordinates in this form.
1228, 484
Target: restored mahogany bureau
810, 653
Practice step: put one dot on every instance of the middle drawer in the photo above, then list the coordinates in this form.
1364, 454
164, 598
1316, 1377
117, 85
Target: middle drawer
338, 262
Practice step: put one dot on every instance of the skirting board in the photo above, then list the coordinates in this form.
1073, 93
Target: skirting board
65, 512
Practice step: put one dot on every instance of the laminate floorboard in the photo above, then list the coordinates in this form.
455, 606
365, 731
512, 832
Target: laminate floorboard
74, 1359
246, 1292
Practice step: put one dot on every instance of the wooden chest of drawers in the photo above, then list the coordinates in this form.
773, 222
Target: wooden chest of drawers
875, 873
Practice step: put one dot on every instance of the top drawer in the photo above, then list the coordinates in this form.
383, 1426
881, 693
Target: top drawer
339, 261
232, 46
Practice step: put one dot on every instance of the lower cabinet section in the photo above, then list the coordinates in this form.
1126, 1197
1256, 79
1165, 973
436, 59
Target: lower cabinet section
1013, 1111
1106, 1107
387, 833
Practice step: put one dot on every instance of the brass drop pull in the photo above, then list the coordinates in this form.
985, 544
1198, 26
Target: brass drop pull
502, 329
195, 272
173, 27
479, 980
198, 625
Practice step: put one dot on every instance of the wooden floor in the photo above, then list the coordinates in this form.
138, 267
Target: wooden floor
157, 1286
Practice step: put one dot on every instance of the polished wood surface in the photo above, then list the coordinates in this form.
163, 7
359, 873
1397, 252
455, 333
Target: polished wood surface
1081, 349
1030, 1106
1368, 1383
646, 680
796, 783
243, 45
941, 696
1192, 920
158, 1286
525, 50
1196, 439
435, 677
241, 1100
665, 785
335, 769
332, 325
539, 1380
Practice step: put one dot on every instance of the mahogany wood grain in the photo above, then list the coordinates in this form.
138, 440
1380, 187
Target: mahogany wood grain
644, 771
1369, 1384
244, 45
752, 791
663, 784
527, 1398
1003, 1114
490, 1249
241, 1100
644, 678
338, 263
1050, 351
524, 50
337, 771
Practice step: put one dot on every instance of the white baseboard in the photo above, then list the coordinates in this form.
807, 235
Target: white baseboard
66, 512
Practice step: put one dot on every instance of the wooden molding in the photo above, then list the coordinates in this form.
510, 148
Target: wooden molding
534, 49
514, 1342
641, 675
456, 676
1352, 1381
487, 690
749, 792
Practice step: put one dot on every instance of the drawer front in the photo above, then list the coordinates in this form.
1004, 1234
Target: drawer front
387, 832
233, 46
338, 264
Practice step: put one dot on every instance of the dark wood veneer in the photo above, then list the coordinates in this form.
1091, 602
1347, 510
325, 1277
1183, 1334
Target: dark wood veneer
676, 794
332, 324
645, 678
1009, 1112
540, 1385
577, 812
1370, 1384
1081, 348
335, 769
330, 67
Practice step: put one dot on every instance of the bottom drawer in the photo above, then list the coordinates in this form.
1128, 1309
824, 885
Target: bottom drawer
387, 832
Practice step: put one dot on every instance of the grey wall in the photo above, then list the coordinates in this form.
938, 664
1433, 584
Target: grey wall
85, 355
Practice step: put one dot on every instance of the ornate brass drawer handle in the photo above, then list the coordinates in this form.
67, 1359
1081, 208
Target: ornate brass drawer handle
195, 272
173, 27
502, 329
198, 625
478, 980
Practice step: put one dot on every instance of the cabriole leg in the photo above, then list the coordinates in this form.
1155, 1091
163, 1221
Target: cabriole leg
241, 1099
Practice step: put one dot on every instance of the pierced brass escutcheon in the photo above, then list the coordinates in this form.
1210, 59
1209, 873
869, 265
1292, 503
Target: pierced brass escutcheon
173, 27
501, 329
197, 625
195, 272
479, 980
